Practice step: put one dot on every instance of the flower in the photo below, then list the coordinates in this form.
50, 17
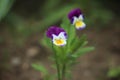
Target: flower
58, 35
76, 18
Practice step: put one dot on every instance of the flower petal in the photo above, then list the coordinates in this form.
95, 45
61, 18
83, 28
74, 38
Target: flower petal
80, 25
74, 13
58, 35
81, 17
54, 30
62, 35
59, 42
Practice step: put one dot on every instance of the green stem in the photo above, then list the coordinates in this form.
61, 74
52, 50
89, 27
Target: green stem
57, 64
58, 67
63, 71
64, 61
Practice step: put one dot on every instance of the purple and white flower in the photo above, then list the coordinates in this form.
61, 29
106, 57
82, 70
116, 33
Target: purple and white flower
76, 18
58, 35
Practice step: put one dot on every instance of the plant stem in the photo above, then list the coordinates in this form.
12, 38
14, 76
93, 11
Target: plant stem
63, 71
58, 67
57, 64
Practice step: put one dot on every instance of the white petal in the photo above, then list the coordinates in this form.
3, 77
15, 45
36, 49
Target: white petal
62, 35
54, 36
75, 19
81, 17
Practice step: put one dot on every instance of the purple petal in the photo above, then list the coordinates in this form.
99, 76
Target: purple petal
54, 30
72, 13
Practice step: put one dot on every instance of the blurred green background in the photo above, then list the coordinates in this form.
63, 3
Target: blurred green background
25, 17
23, 24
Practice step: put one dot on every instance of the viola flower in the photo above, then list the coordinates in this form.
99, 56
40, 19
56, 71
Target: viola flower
58, 35
76, 18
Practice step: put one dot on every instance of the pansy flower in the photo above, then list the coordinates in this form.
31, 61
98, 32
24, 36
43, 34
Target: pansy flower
58, 35
76, 18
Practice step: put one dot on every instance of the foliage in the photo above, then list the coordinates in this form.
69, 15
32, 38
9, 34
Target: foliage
5, 6
50, 12
44, 72
114, 72
66, 56
40, 68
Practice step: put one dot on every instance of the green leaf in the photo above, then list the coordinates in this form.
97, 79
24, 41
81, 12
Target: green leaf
82, 51
41, 68
59, 51
71, 32
69, 28
114, 72
46, 42
73, 57
72, 35
78, 42
65, 24
5, 6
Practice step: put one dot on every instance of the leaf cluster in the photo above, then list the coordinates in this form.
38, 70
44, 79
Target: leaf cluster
75, 47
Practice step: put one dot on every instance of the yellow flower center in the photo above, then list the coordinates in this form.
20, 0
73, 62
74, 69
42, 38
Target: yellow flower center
59, 41
79, 24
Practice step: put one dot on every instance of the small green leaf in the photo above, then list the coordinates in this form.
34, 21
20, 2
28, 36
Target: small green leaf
5, 6
72, 34
41, 68
73, 57
115, 72
60, 52
66, 24
46, 42
78, 42
82, 51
